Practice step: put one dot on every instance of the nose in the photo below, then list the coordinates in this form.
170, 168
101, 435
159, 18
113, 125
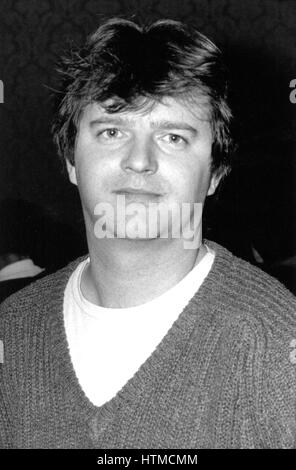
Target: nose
140, 158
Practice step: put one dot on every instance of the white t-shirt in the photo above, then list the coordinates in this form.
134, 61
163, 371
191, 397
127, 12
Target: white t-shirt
108, 345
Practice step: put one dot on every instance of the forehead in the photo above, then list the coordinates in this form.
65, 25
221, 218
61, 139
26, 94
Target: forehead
193, 111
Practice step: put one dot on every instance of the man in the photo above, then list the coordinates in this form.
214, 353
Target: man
154, 340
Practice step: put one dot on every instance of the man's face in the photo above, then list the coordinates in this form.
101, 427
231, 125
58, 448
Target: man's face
158, 156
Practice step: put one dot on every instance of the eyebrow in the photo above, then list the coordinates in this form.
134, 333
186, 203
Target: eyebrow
112, 120
170, 125
163, 124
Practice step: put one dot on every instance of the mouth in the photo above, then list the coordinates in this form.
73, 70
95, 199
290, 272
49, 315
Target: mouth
137, 192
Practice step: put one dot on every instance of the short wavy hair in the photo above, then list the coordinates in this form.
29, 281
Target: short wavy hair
128, 62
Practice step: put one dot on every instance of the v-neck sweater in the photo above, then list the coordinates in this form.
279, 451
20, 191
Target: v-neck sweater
224, 375
108, 345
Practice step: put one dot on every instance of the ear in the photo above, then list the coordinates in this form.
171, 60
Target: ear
71, 172
214, 182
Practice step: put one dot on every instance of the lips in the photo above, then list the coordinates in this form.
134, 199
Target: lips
139, 192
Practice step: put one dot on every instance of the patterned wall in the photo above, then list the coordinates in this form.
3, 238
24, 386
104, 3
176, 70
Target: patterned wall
258, 37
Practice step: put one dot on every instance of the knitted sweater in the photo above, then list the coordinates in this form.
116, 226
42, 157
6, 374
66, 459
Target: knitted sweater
224, 376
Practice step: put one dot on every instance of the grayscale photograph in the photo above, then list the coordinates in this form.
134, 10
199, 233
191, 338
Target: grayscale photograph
147, 227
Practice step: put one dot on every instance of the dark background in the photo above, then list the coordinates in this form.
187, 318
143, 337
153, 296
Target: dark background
256, 204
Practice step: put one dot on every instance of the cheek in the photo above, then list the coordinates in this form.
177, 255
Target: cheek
196, 187
88, 167
89, 184
191, 181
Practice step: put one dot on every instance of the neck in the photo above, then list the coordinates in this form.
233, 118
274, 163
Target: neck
125, 273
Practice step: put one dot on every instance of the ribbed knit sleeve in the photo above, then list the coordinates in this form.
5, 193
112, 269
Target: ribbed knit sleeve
279, 403
5, 413
278, 406
8, 388
262, 333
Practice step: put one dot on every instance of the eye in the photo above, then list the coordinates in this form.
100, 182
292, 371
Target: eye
175, 139
110, 134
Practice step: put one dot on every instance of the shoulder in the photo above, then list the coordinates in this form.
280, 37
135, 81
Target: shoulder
251, 305
31, 322
243, 285
255, 317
